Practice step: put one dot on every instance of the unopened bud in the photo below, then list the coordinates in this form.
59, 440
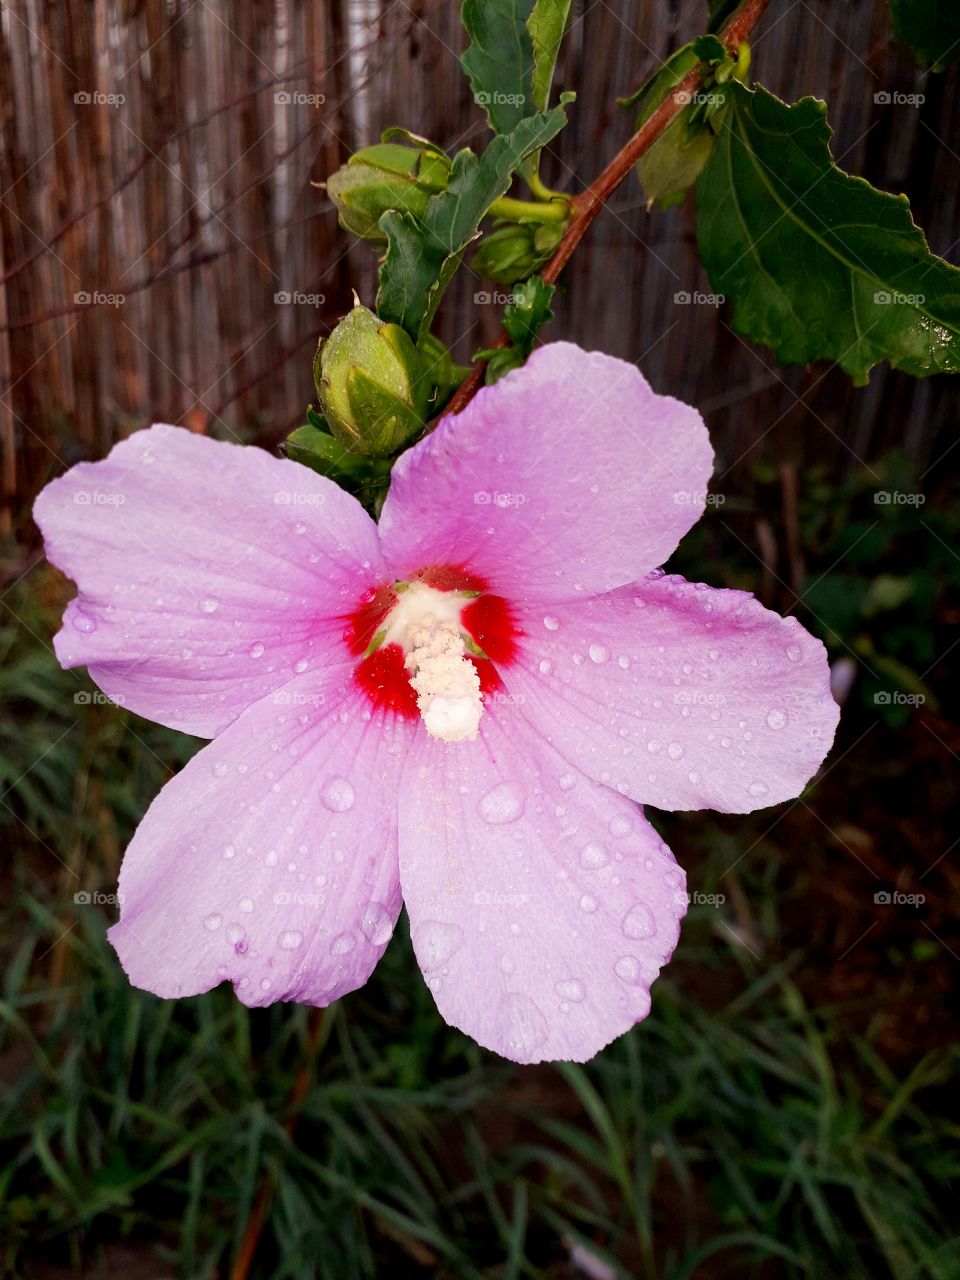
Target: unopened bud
370, 381
516, 251
381, 177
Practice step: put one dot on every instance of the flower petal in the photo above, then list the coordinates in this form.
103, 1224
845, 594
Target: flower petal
270, 860
568, 476
208, 573
541, 905
679, 695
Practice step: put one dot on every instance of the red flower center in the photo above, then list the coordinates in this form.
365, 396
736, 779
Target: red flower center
376, 633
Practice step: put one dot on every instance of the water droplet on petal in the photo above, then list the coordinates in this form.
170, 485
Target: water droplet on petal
546, 666
256, 650
337, 795
757, 788
213, 921
550, 622
503, 803
675, 750
523, 1028
588, 903
794, 653
343, 943
436, 942
627, 969
246, 905
571, 989
598, 653
230, 851
290, 939
638, 922
220, 770
594, 856
376, 924
776, 719
620, 827
567, 782
235, 934
209, 605
83, 622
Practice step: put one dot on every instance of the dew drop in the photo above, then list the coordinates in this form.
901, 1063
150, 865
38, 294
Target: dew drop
83, 622
567, 782
588, 903
627, 969
209, 605
220, 770
620, 827
256, 650
300, 665
235, 934
776, 719
343, 943
523, 1027
230, 851
757, 788
675, 751
246, 905
638, 922
571, 989
594, 856
598, 653
436, 942
376, 925
290, 939
213, 921
504, 803
794, 653
550, 622
337, 795
546, 666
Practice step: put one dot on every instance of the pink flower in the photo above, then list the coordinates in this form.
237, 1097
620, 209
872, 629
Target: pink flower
463, 707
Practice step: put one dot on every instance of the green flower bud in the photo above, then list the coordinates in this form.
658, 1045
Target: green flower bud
370, 381
381, 177
516, 251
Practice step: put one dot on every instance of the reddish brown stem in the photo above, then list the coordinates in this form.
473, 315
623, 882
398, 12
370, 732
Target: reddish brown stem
586, 205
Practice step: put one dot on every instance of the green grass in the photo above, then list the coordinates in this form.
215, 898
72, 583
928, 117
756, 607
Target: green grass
788, 1109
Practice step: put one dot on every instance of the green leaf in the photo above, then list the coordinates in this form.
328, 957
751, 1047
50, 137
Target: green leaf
930, 27
423, 253
546, 25
819, 265
499, 59
523, 318
314, 447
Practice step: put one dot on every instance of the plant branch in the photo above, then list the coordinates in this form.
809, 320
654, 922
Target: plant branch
585, 206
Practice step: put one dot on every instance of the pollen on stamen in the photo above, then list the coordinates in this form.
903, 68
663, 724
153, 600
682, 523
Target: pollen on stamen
447, 684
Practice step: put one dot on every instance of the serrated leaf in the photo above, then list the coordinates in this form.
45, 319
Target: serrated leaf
818, 264
499, 59
545, 26
523, 318
422, 253
930, 27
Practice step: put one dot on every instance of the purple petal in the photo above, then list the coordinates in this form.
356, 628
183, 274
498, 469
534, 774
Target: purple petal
679, 695
208, 574
568, 476
541, 905
270, 860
